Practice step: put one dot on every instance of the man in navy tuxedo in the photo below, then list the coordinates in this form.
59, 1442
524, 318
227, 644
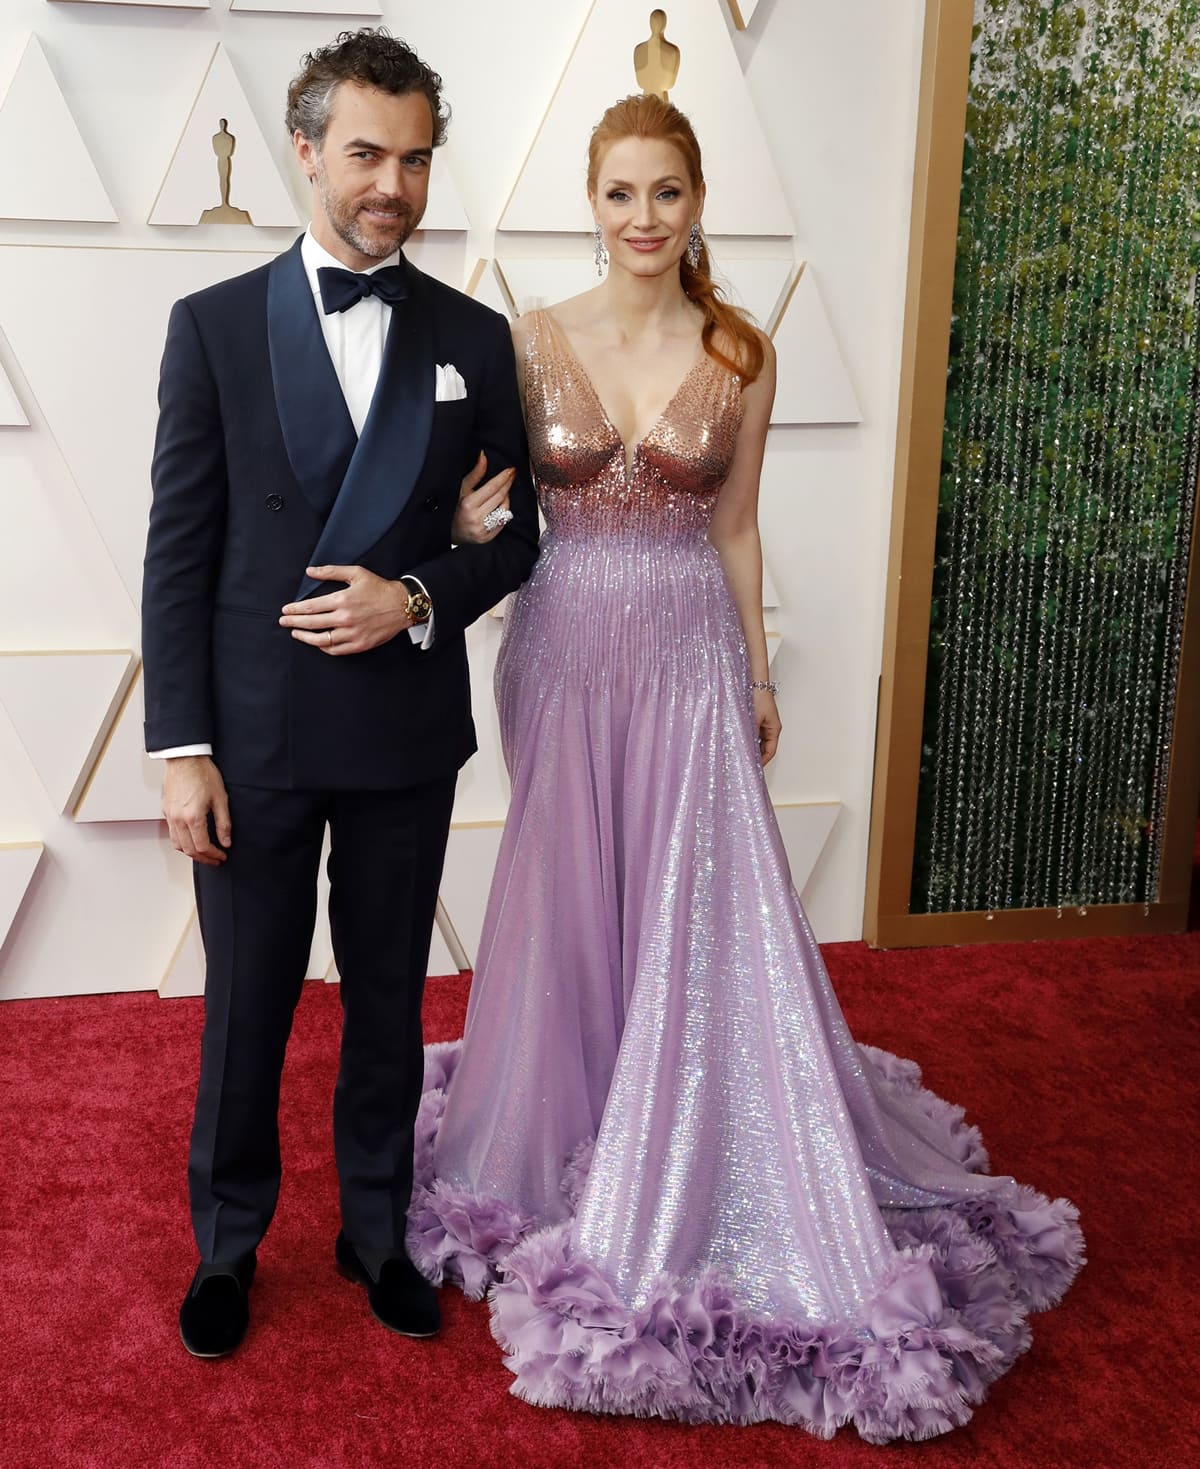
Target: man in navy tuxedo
305, 666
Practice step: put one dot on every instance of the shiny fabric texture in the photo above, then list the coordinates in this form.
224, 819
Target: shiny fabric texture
658, 1131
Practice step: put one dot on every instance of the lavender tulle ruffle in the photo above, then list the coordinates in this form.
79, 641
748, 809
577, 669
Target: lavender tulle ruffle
949, 1319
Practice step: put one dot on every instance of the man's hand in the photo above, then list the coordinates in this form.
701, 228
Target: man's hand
192, 787
370, 610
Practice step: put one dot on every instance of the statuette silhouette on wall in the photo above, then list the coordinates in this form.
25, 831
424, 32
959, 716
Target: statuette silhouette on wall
188, 181
746, 196
656, 61
223, 144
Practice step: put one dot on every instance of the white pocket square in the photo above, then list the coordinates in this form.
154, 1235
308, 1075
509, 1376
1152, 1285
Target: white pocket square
450, 386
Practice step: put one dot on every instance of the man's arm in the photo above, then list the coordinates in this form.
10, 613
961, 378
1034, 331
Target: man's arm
466, 582
183, 548
183, 544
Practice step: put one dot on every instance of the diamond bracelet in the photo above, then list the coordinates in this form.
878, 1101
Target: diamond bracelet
768, 685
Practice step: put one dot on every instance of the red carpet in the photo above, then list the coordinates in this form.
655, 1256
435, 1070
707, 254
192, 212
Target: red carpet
1078, 1060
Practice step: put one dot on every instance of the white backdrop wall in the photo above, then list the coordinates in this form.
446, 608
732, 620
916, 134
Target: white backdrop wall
818, 114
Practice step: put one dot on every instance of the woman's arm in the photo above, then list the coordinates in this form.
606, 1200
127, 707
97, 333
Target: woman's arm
466, 581
478, 498
734, 533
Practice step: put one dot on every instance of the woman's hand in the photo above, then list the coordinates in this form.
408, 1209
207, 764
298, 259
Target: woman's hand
768, 722
476, 501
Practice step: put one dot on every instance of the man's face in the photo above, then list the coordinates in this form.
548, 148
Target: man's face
370, 175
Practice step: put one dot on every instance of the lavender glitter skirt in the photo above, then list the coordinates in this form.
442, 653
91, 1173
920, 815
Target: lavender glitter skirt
689, 1192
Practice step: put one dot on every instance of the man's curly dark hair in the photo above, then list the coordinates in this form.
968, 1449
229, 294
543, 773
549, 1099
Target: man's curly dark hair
371, 57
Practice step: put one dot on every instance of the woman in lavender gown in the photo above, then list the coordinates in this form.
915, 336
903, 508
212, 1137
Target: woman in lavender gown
690, 1193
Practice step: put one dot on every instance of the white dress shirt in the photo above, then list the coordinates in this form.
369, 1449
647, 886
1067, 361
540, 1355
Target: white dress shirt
355, 339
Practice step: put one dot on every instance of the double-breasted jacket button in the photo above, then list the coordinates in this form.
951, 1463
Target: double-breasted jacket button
274, 502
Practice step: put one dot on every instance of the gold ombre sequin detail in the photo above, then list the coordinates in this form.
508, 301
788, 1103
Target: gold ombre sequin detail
669, 487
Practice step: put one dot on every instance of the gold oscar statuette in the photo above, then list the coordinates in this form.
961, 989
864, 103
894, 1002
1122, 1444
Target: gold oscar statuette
223, 144
656, 60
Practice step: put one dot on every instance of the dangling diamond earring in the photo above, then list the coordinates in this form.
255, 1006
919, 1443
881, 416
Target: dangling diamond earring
693, 247
601, 252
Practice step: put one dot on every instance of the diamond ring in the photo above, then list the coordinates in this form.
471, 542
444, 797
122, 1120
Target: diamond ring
494, 519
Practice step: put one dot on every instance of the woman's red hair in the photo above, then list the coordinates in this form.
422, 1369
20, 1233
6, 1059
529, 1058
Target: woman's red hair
651, 117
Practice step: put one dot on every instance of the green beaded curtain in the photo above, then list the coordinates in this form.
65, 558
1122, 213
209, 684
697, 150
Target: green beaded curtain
1069, 460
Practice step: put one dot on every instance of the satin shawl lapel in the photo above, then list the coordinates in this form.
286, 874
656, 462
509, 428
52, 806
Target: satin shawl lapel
317, 428
394, 439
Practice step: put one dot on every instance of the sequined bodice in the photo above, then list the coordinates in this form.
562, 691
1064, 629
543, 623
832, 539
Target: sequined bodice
669, 486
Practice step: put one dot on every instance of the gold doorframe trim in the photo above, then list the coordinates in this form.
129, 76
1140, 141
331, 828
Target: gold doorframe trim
887, 921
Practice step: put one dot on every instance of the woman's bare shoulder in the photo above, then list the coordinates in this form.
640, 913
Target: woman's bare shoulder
580, 313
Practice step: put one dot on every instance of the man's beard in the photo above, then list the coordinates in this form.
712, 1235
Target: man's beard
343, 216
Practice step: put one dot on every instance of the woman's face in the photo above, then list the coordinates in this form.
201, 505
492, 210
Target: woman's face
645, 205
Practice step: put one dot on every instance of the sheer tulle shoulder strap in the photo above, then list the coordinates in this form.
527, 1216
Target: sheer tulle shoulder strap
543, 351
536, 338
540, 337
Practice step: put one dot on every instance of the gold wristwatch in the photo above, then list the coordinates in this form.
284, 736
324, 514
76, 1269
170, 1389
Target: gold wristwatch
420, 604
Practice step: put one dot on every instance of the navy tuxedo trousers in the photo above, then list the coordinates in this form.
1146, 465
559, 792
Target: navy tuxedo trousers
385, 865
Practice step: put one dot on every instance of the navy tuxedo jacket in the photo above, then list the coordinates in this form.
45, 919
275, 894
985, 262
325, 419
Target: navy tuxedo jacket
258, 474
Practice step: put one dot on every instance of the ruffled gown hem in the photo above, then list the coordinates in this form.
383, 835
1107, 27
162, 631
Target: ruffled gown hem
949, 1319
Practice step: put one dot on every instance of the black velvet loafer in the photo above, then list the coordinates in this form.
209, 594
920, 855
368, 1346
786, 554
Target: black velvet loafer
400, 1298
216, 1310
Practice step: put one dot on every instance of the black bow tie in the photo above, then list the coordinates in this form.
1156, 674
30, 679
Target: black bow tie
341, 289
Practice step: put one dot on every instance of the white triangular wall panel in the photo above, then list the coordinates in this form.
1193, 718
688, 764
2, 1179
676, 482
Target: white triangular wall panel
22, 804
487, 285
444, 209
745, 196
163, 4
774, 643
125, 784
441, 254
534, 282
41, 507
445, 927
805, 830
320, 954
46, 171
12, 415
99, 399
441, 961
185, 969
158, 4
309, 7
770, 597
192, 185
756, 285
812, 385
18, 862
61, 705
320, 958
743, 12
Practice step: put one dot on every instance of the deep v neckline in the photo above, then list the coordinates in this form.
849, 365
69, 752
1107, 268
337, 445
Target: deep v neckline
629, 451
